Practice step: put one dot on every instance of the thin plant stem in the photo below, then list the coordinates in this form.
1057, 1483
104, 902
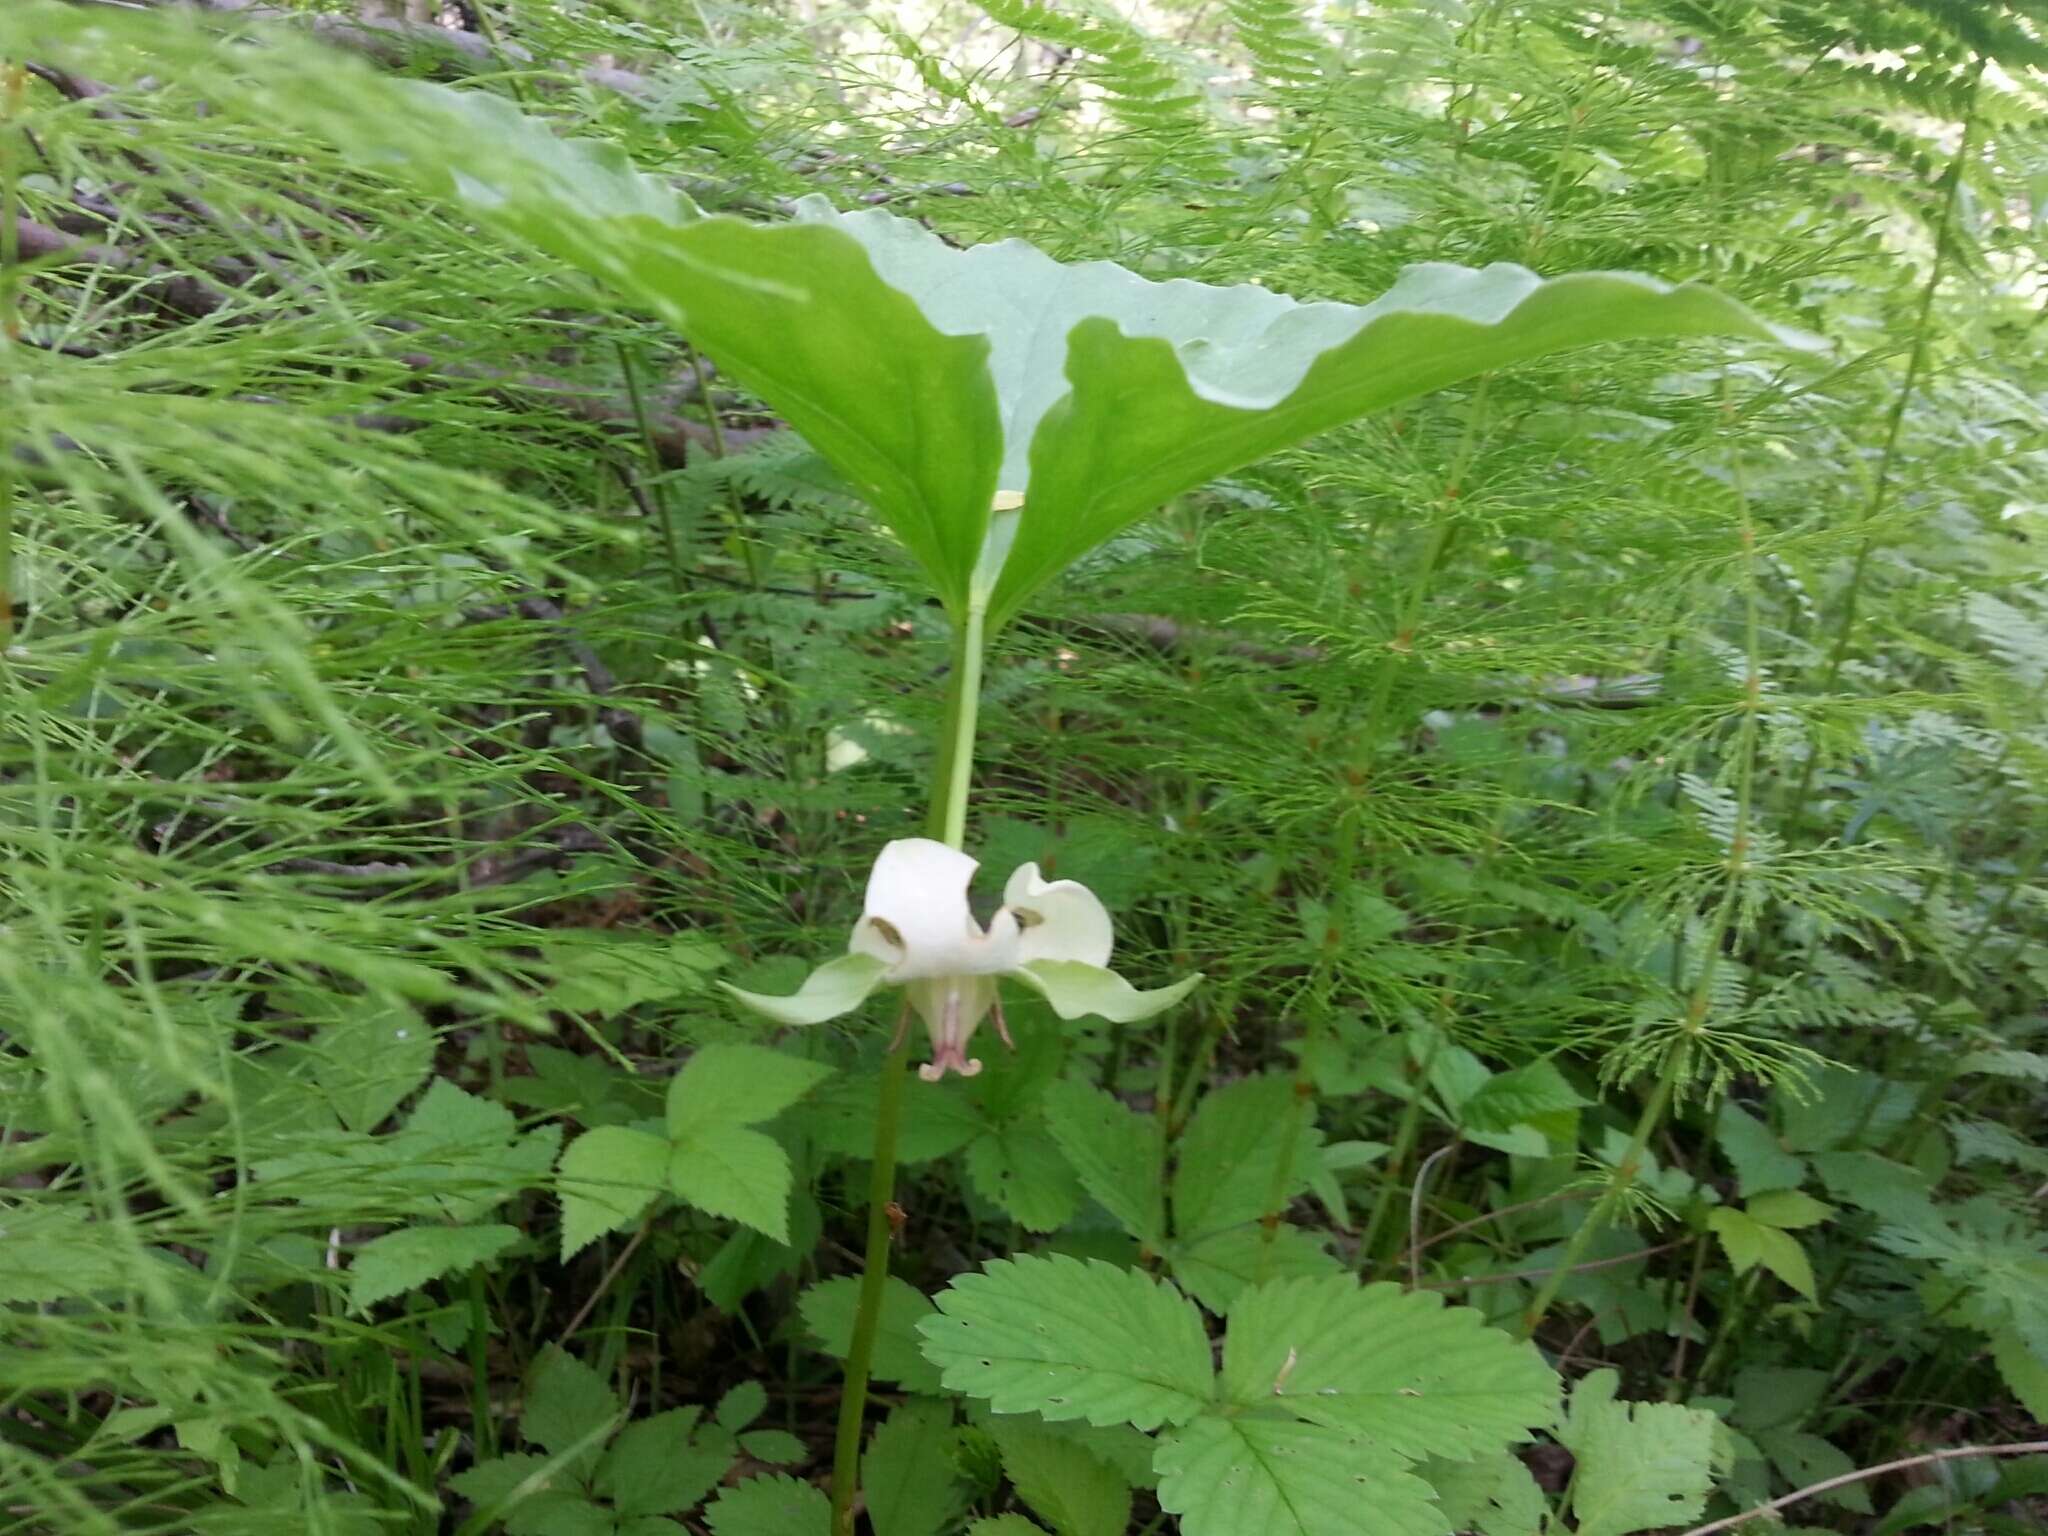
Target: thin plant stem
1880, 494
1618, 1186
13, 86
1676, 1059
1863, 1474
1405, 1137
664, 503
948, 819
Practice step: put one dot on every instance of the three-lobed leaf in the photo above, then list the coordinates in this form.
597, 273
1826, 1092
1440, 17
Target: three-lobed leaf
1277, 1477
1399, 1368
1072, 1339
770, 1506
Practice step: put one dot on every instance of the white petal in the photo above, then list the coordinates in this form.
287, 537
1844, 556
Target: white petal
1075, 990
917, 917
1058, 919
836, 987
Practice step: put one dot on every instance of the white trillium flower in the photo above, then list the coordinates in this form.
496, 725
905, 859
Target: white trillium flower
918, 932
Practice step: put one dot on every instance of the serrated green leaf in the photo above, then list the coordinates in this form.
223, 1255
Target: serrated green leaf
1898, 1194
1115, 1152
665, 1464
492, 1484
1770, 1397
1496, 1495
604, 972
776, 1447
1216, 1269
1019, 1168
938, 1119
1640, 1466
1787, 1209
739, 1174
770, 1506
1760, 1163
742, 1405
463, 1156
1232, 1477
566, 1401
1226, 1160
607, 1178
399, 1261
907, 1473
1005, 1525
371, 1060
1071, 1339
828, 1309
723, 1086
1748, 1243
2025, 1373
1802, 1459
1523, 1096
1398, 1368
1075, 1492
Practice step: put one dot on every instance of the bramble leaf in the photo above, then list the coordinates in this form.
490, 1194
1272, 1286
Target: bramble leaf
1748, 1242
734, 1085
739, 1174
607, 1178
399, 1261
828, 1310
1640, 1466
566, 1401
665, 1464
907, 1473
770, 1506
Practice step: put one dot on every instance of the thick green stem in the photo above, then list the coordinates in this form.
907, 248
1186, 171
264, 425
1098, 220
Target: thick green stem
948, 821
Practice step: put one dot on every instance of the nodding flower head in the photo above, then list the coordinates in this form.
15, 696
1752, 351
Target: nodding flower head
917, 930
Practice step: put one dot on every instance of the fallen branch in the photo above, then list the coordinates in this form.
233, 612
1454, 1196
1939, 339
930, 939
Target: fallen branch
193, 297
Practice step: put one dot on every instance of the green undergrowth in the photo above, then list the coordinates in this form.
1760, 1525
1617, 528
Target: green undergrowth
1604, 800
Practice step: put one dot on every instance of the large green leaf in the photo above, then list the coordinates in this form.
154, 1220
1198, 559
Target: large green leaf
1399, 1368
607, 1178
728, 1085
1115, 1151
1640, 1466
1173, 384
1072, 1339
400, 1261
828, 1311
933, 376
1076, 1491
908, 1473
1235, 1477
